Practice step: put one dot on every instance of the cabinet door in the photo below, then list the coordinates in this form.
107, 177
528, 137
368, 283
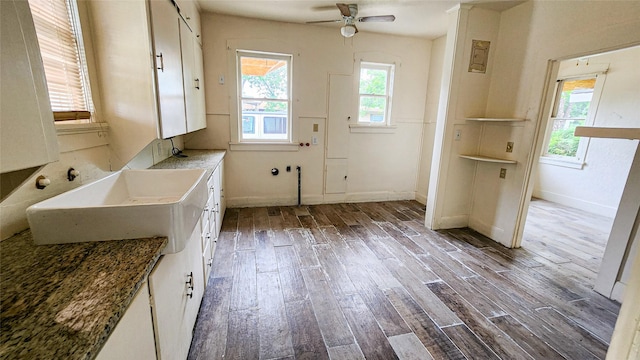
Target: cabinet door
165, 23
26, 120
177, 286
199, 120
192, 83
217, 197
122, 345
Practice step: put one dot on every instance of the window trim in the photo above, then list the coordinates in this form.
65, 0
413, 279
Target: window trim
578, 161
390, 68
239, 98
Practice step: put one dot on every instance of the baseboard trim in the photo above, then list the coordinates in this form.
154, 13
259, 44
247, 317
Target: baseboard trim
258, 201
493, 232
580, 204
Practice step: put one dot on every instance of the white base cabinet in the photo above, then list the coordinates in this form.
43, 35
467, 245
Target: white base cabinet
177, 286
212, 219
132, 338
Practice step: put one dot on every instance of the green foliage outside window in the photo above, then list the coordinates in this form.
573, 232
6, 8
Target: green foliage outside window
563, 142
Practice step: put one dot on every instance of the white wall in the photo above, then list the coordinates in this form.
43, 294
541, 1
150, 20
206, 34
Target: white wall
463, 94
380, 166
529, 35
430, 116
85, 152
598, 186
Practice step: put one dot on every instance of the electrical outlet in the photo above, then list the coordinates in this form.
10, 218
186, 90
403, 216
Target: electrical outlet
503, 173
458, 135
314, 140
510, 146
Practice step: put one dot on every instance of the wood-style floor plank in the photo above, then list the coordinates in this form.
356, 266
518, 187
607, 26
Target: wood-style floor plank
265, 253
302, 243
483, 328
243, 340
349, 281
470, 345
211, 327
573, 331
332, 323
275, 335
293, 287
431, 304
305, 333
535, 347
409, 347
243, 293
373, 342
427, 331
346, 352
245, 239
223, 257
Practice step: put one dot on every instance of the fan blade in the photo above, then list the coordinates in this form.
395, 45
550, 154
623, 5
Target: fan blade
379, 18
355, 28
323, 21
344, 9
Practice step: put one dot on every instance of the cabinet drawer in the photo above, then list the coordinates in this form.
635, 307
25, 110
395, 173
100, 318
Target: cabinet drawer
207, 261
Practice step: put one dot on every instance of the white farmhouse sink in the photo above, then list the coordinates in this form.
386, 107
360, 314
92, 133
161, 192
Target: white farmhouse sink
128, 204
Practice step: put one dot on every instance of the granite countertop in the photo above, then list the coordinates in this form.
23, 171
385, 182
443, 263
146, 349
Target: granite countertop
63, 301
196, 159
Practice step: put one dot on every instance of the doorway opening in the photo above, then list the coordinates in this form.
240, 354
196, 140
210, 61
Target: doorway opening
579, 182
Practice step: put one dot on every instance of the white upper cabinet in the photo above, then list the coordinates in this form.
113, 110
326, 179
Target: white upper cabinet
147, 72
166, 26
27, 132
193, 81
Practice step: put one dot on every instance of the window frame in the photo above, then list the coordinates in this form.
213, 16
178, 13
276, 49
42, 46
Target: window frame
288, 58
389, 68
88, 114
578, 161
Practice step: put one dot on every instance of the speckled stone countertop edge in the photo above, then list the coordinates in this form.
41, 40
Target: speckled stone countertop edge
196, 159
64, 301
115, 319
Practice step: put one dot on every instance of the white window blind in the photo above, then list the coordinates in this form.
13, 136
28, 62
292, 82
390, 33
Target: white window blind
59, 37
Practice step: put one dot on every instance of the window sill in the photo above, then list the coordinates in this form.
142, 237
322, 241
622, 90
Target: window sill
263, 146
71, 129
571, 163
372, 129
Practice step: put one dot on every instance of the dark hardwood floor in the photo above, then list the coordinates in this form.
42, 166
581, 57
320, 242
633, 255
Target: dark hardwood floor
354, 281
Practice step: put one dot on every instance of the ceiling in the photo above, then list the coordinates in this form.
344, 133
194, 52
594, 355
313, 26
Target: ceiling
420, 18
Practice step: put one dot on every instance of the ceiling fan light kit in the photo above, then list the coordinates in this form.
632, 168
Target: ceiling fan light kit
348, 31
349, 13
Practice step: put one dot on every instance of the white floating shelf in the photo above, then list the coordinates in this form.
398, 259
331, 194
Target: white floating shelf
488, 159
496, 119
608, 132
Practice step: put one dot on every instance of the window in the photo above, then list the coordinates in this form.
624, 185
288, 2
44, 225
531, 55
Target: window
248, 124
575, 105
60, 39
264, 87
375, 91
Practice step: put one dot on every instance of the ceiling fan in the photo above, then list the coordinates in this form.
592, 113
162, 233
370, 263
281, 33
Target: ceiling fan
349, 13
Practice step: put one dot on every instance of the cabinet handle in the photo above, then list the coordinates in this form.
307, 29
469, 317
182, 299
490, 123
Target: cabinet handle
190, 280
198, 84
161, 68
